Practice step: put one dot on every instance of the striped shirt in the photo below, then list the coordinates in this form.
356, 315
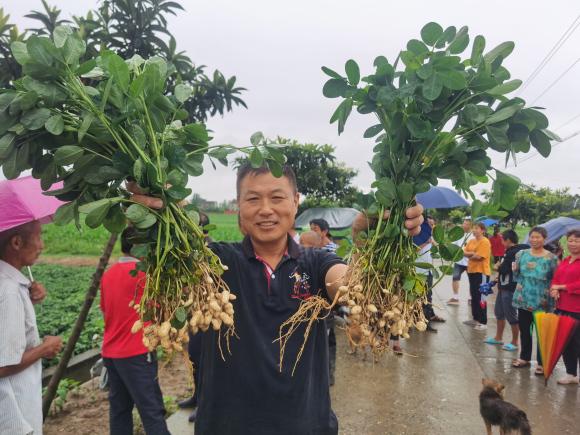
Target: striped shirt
20, 394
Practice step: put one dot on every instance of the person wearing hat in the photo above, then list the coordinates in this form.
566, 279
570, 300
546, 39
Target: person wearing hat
21, 349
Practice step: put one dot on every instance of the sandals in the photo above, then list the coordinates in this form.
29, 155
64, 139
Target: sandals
539, 371
520, 363
397, 350
492, 340
509, 347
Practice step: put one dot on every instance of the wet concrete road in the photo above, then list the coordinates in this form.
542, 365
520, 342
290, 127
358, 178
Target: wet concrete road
434, 388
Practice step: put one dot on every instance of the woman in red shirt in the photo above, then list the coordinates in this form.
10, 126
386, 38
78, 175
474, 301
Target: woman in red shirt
497, 246
566, 289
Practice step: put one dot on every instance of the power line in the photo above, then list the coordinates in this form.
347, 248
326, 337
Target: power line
565, 36
568, 122
556, 81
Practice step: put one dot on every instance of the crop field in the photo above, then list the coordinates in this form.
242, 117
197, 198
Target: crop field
66, 288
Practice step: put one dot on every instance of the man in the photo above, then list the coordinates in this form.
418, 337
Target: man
460, 266
321, 227
131, 367
248, 392
504, 310
21, 350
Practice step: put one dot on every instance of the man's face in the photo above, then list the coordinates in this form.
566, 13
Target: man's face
467, 226
477, 231
29, 247
316, 229
268, 206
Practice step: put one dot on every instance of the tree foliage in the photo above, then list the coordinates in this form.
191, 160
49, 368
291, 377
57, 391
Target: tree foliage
536, 205
131, 28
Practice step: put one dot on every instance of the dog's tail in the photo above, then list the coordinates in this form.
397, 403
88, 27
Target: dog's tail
525, 428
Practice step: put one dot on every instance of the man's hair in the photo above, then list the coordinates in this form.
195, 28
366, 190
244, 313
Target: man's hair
573, 232
481, 225
127, 239
247, 169
510, 235
322, 224
24, 231
540, 230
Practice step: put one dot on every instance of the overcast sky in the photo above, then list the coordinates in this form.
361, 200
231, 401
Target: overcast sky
276, 50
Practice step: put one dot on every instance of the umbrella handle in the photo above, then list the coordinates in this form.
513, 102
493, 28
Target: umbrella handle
30, 273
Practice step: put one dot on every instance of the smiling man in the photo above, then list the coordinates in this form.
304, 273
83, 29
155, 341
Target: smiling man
248, 392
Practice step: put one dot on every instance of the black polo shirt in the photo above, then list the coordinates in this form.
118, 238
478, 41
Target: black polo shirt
246, 393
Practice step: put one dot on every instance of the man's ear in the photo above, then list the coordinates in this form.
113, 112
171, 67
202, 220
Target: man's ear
297, 199
16, 242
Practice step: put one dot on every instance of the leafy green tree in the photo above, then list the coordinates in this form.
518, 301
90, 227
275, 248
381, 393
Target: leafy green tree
321, 179
132, 28
535, 205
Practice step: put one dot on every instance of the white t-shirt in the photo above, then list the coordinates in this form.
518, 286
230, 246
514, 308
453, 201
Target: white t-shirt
20, 394
461, 243
424, 257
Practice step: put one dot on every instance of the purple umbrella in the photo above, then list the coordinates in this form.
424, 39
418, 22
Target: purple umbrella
22, 201
441, 197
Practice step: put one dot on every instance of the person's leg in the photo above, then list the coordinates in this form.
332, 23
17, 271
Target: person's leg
525, 322
500, 329
120, 402
456, 279
473, 286
140, 375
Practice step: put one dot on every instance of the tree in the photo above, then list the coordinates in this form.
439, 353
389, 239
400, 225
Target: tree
535, 205
132, 28
322, 180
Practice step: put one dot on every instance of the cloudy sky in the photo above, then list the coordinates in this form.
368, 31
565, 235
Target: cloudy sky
276, 50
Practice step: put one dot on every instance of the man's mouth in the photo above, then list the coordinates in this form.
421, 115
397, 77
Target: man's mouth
267, 224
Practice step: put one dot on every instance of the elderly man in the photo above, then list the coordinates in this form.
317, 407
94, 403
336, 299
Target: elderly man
21, 350
248, 392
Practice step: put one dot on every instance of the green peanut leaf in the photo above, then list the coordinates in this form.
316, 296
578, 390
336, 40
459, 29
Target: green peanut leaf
115, 221
54, 124
455, 234
67, 155
65, 214
183, 92
477, 49
504, 50
20, 52
439, 234
117, 69
35, 118
541, 142
98, 214
334, 88
352, 72
503, 114
432, 87
504, 88
430, 33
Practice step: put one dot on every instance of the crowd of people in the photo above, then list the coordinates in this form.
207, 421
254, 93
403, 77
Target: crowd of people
528, 278
272, 270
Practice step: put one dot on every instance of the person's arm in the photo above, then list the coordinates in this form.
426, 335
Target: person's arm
49, 348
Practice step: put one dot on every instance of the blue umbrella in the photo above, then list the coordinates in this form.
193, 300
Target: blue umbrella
441, 197
488, 222
558, 227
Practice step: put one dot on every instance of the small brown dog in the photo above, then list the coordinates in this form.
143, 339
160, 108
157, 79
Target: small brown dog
497, 412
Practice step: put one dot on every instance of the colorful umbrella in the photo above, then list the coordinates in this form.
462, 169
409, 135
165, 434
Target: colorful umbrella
553, 332
22, 201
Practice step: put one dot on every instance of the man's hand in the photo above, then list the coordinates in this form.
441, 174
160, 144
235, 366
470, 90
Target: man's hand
413, 222
37, 292
139, 197
51, 346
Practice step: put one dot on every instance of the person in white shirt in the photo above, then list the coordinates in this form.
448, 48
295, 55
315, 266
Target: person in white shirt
21, 349
460, 266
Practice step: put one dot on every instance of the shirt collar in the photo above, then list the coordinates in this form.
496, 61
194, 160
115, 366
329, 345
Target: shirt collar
14, 273
292, 249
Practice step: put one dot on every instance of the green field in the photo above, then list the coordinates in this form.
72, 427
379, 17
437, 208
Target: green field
67, 241
66, 287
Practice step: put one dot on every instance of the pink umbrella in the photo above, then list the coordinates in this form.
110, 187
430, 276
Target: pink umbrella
22, 201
